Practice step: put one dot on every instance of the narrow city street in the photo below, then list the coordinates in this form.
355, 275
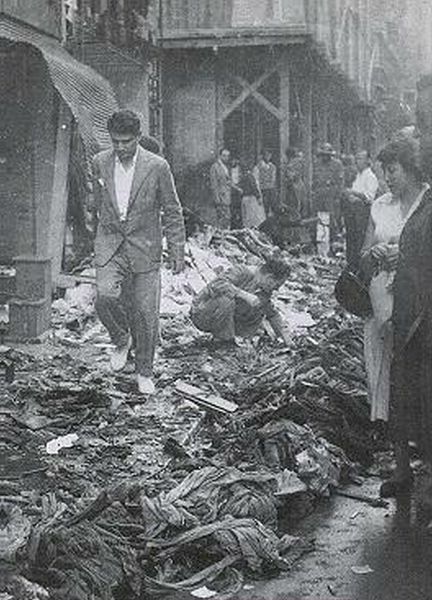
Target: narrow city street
215, 299
362, 553
85, 448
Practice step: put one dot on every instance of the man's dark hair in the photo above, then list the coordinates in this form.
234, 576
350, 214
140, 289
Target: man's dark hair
124, 122
406, 152
291, 152
278, 267
223, 150
150, 143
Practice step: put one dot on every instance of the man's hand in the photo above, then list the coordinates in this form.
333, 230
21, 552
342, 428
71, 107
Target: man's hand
177, 265
355, 198
236, 187
361, 197
392, 257
379, 251
249, 298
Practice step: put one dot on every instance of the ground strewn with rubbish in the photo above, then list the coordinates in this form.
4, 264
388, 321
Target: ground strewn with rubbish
203, 488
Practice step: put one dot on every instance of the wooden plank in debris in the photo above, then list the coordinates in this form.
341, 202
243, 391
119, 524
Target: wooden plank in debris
203, 398
63, 280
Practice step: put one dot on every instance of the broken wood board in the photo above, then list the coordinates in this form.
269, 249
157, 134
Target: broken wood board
64, 280
203, 398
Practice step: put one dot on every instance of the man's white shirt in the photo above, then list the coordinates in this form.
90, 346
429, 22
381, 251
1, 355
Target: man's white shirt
366, 183
123, 179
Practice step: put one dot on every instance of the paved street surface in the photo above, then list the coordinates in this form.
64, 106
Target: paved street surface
350, 534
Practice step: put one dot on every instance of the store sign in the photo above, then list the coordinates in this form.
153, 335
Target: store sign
45, 15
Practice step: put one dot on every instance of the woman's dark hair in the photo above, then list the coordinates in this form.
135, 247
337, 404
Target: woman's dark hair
124, 122
277, 266
406, 152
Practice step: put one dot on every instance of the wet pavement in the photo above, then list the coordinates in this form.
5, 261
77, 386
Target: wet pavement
362, 553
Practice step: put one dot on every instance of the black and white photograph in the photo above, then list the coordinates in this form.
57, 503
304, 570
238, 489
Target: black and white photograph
215, 299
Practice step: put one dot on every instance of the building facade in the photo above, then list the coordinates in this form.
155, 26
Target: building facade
117, 39
48, 100
250, 74
203, 74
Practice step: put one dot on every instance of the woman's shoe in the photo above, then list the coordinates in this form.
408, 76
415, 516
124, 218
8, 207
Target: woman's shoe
395, 486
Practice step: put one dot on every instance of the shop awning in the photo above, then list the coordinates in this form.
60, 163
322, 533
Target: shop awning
88, 95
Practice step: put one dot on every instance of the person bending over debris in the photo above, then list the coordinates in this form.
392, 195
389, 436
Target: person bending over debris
236, 302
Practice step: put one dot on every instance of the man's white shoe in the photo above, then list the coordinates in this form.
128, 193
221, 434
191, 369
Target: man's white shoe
145, 385
119, 356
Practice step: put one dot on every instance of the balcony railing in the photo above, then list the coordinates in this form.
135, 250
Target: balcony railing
180, 17
342, 28
125, 23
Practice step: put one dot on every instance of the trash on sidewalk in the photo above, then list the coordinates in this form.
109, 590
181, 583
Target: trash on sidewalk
16, 527
16, 587
203, 592
64, 441
207, 494
273, 430
284, 445
289, 483
375, 502
362, 570
204, 399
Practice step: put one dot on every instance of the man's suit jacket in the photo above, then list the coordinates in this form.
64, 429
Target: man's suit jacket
220, 181
327, 186
153, 201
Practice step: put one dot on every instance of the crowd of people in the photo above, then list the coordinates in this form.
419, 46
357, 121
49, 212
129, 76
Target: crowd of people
246, 194
388, 244
384, 211
260, 196
136, 203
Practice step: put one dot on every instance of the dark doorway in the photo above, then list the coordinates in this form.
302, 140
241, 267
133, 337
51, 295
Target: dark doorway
249, 129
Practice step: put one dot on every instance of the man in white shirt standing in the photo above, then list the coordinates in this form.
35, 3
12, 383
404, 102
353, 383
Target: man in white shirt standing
132, 189
356, 207
365, 184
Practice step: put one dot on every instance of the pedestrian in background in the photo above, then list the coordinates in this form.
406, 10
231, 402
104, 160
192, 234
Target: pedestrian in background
356, 205
293, 188
236, 194
252, 205
266, 174
132, 188
327, 187
221, 186
350, 169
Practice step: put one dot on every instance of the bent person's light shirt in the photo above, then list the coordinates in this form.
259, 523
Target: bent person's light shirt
366, 183
123, 179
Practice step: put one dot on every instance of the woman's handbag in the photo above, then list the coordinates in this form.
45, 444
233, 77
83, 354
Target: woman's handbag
353, 294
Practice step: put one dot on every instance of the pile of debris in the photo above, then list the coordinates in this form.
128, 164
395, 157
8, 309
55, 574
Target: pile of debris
189, 490
207, 255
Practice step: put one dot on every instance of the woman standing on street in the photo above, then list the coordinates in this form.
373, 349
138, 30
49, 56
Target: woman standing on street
411, 373
390, 214
252, 205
